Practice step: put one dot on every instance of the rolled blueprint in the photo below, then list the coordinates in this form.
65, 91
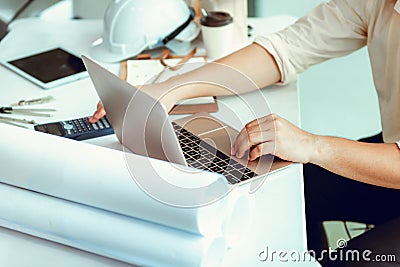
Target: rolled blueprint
105, 233
99, 177
240, 214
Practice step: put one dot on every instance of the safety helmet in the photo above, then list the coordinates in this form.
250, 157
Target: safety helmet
130, 26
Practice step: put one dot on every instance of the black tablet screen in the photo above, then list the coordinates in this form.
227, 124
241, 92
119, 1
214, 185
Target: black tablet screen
50, 65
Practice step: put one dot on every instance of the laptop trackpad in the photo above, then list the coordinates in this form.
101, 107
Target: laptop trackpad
210, 130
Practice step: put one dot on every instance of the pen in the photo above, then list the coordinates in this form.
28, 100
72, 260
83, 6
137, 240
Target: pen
12, 123
36, 101
3, 118
28, 111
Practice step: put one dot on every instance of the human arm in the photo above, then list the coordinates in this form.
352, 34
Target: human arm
377, 164
241, 72
330, 30
253, 62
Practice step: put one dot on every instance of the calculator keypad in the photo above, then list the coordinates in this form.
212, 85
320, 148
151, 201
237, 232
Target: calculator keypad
78, 129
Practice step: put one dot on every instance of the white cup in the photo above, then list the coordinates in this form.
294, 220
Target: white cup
217, 32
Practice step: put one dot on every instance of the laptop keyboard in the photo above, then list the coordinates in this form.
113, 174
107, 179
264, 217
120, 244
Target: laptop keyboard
201, 155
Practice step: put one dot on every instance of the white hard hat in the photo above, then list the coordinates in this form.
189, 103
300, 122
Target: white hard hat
130, 26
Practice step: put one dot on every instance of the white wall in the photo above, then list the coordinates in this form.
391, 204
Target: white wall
297, 8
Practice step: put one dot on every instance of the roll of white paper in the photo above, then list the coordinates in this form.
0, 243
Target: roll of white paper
105, 233
99, 177
240, 214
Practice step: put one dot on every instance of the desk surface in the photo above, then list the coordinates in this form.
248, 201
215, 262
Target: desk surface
279, 221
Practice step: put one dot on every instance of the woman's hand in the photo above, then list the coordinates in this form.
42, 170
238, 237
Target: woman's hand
156, 91
274, 135
98, 114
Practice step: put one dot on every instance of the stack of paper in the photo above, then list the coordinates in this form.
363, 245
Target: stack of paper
85, 196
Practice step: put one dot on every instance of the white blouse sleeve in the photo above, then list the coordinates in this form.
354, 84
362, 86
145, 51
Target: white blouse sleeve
330, 30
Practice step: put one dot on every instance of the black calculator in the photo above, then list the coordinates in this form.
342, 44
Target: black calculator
77, 129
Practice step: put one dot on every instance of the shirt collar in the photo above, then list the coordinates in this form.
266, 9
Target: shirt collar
397, 6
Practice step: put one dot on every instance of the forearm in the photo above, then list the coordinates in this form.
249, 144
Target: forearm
256, 63
243, 71
377, 164
246, 70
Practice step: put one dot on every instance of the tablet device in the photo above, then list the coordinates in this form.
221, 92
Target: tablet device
50, 68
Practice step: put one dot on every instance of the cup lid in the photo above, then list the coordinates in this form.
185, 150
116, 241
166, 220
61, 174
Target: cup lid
216, 19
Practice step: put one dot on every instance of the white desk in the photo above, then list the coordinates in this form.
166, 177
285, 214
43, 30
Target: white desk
279, 221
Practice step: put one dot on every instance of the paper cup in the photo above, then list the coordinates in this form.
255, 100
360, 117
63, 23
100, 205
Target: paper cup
217, 32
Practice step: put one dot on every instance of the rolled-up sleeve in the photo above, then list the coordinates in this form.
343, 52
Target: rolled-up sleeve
331, 30
398, 144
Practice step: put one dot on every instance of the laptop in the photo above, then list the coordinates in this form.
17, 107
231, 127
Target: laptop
200, 141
